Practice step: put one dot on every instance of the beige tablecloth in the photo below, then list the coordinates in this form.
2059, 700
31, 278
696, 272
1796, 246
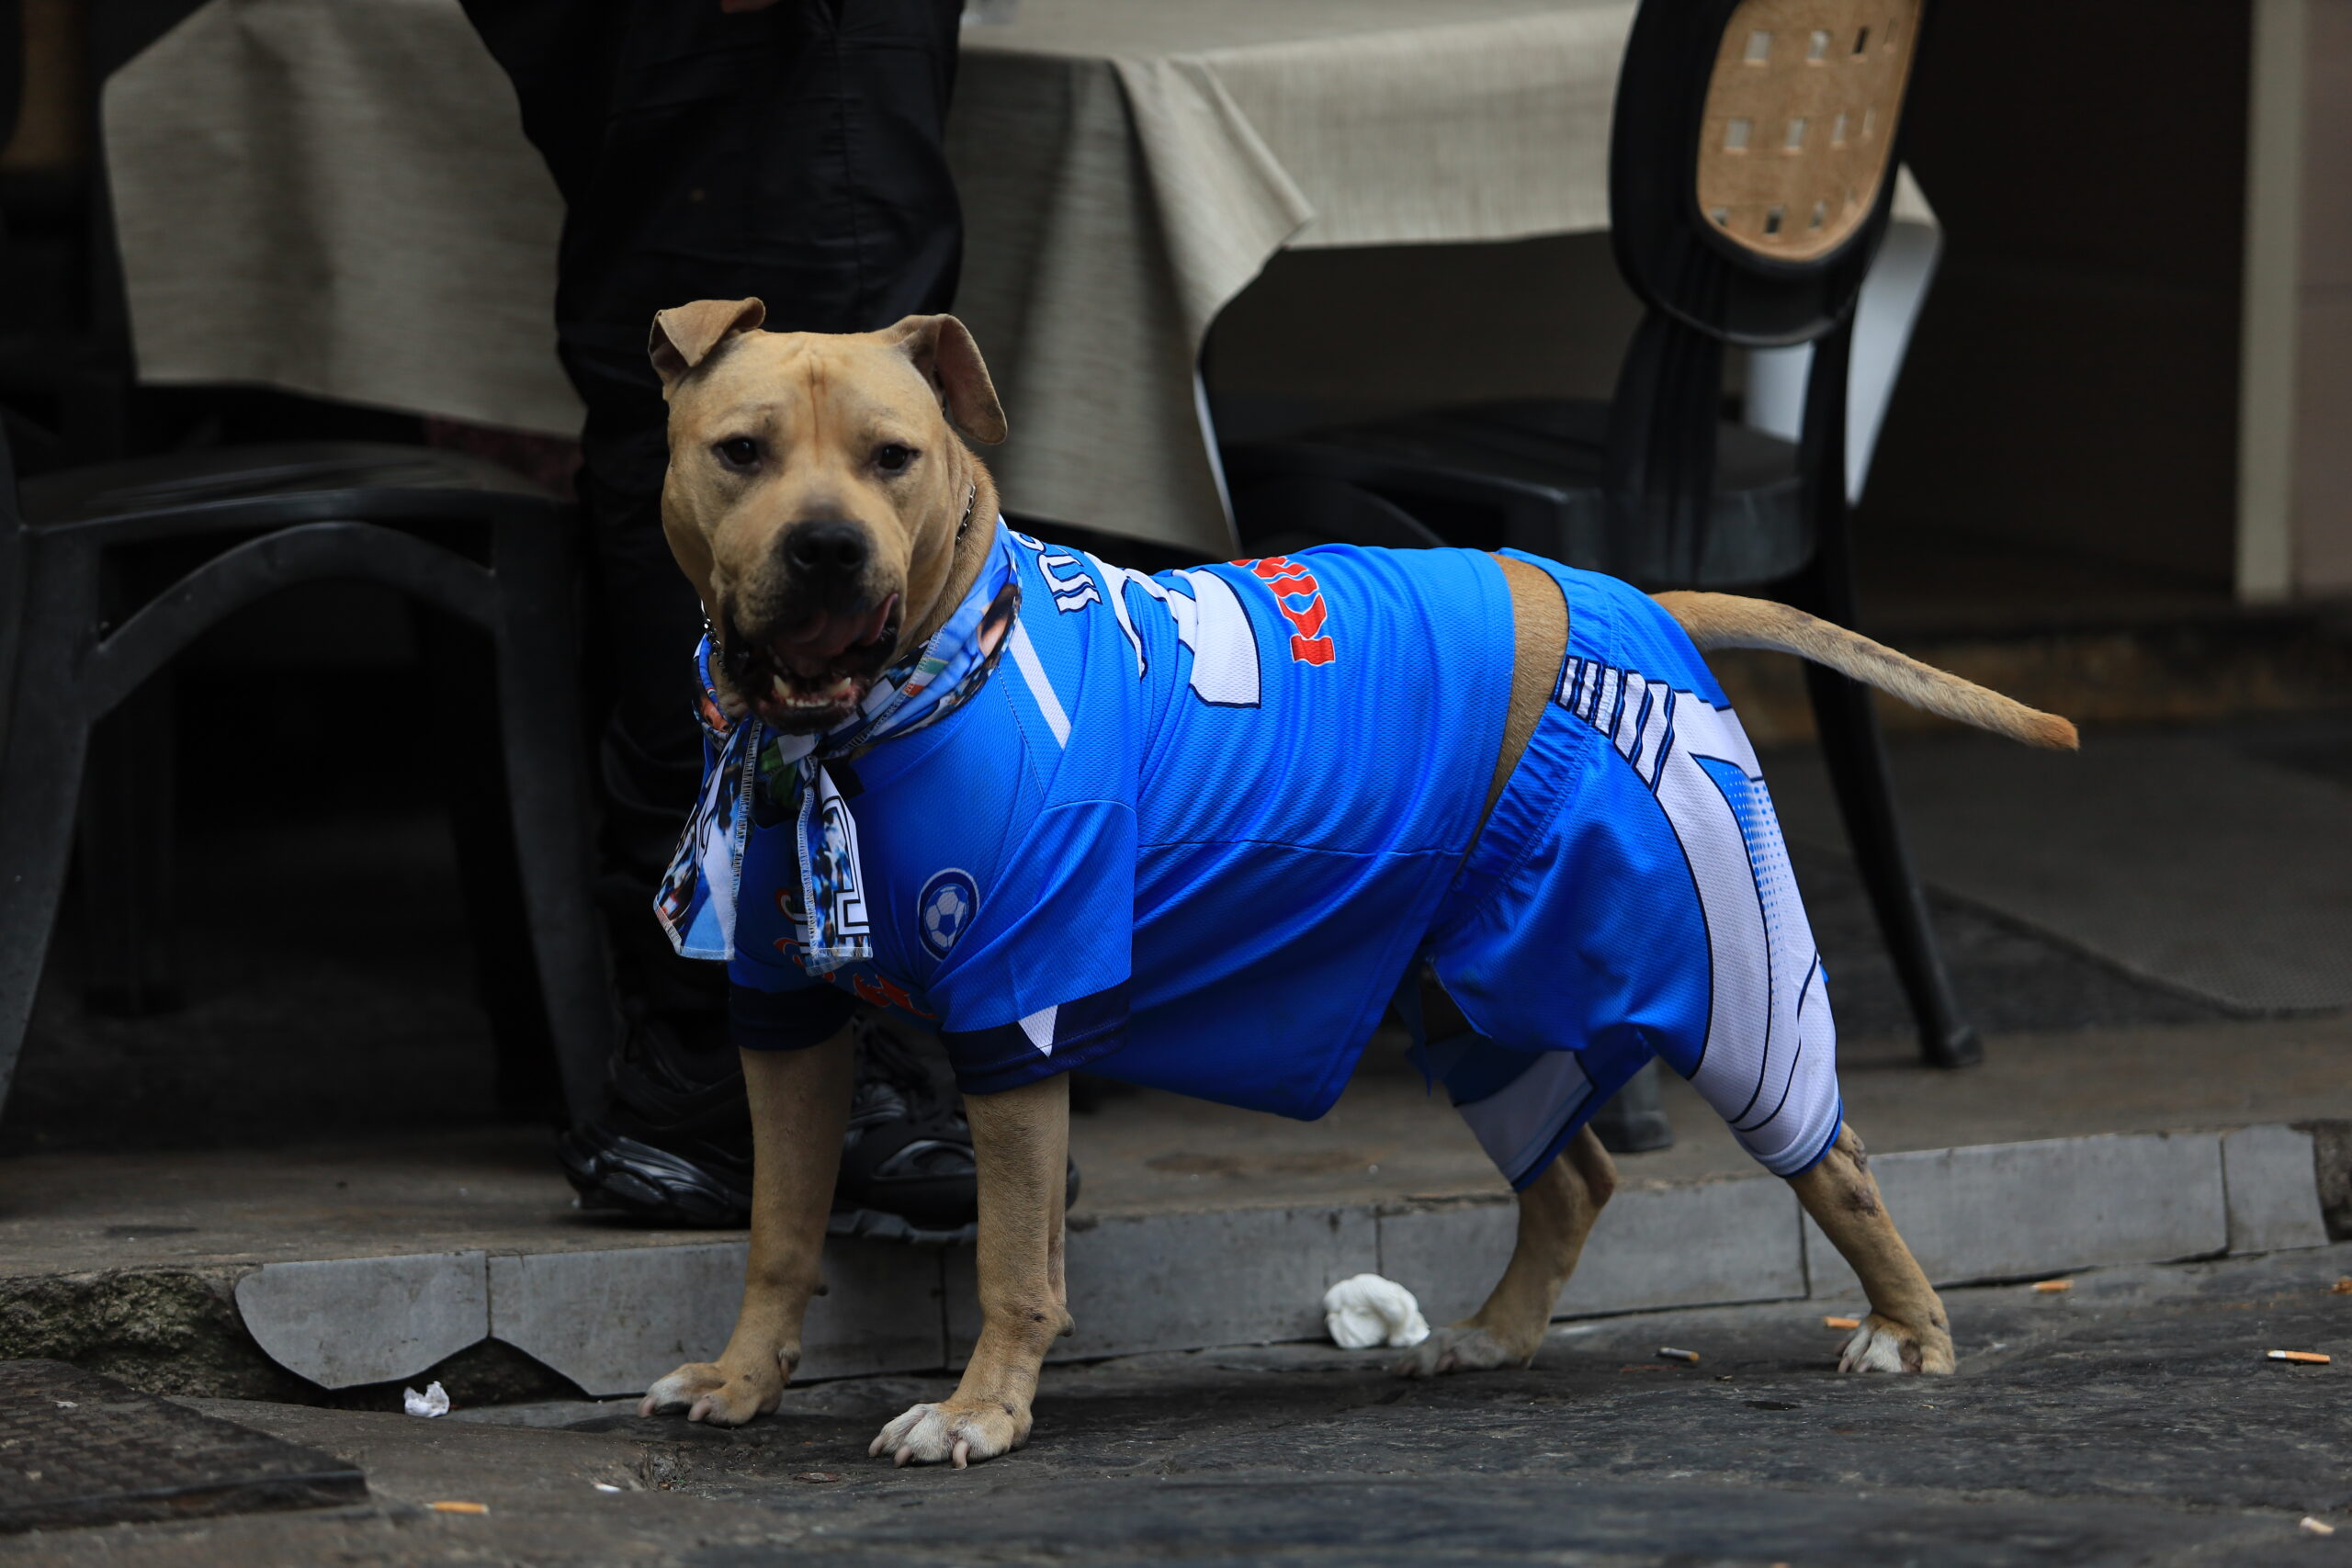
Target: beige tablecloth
334, 197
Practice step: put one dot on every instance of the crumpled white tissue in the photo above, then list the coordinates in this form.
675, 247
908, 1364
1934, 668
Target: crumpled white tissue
1368, 1310
434, 1400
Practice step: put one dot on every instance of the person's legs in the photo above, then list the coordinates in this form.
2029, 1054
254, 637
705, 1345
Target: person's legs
793, 154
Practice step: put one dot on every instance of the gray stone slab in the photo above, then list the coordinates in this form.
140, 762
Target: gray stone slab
2273, 1190
2009, 1211
1714, 1241
345, 1321
1654, 1247
1449, 1258
1186, 1282
614, 1321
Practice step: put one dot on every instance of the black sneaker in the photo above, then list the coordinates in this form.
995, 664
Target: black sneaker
907, 1172
674, 1147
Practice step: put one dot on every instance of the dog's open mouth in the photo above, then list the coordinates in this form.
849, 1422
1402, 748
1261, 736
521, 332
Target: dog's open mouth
814, 674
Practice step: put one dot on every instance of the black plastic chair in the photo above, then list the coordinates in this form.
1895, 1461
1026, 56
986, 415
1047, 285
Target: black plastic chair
107, 573
1751, 172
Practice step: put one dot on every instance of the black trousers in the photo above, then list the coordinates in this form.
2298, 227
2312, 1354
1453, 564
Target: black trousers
793, 153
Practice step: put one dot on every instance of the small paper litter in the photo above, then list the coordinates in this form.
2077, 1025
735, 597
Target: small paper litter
1367, 1310
434, 1400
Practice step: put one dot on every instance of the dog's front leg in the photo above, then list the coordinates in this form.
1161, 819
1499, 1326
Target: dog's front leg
1020, 1139
800, 1107
1906, 1330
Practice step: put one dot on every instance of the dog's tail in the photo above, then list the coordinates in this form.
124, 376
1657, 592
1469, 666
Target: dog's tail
1724, 620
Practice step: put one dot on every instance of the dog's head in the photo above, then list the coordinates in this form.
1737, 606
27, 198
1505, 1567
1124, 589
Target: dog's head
818, 494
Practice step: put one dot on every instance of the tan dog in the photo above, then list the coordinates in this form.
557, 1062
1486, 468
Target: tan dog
819, 498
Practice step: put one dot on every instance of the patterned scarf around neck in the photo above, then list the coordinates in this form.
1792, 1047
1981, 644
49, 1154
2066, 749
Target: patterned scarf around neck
696, 901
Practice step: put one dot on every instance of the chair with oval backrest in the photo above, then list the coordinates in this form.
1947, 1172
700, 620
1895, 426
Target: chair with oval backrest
1752, 164
108, 573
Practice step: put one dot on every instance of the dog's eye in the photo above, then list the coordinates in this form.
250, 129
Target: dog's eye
893, 459
742, 452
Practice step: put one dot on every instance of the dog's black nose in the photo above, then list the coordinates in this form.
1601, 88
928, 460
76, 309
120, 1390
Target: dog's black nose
829, 549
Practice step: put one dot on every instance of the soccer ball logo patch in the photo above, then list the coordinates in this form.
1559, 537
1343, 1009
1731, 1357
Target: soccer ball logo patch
948, 904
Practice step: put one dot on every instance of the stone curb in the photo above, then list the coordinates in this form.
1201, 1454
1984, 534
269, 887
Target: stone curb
614, 1320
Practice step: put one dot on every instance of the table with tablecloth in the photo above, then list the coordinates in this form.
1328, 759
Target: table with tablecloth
336, 198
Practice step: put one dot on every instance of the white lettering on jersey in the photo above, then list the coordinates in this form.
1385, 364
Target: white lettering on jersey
1115, 576
1224, 645
1074, 591
1210, 622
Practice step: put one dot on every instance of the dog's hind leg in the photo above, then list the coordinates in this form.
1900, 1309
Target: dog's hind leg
1906, 1330
1555, 1214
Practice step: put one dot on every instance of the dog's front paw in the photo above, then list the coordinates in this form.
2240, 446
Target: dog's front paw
1882, 1345
960, 1430
1463, 1348
708, 1391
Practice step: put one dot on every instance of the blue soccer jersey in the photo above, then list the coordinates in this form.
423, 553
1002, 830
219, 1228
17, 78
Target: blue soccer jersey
1189, 835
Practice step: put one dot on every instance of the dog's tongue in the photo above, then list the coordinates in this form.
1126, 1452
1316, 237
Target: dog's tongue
812, 645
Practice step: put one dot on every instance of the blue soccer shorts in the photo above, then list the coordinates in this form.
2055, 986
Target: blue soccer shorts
1631, 897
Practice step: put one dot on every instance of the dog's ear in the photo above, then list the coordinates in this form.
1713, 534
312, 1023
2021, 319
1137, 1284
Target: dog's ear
682, 337
942, 349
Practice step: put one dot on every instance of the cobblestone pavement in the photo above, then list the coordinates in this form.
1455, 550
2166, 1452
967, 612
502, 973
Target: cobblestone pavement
2131, 1419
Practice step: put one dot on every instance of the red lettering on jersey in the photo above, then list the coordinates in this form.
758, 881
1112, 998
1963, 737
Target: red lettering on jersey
1287, 580
884, 992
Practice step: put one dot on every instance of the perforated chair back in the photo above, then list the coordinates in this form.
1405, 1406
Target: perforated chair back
1799, 119
1752, 168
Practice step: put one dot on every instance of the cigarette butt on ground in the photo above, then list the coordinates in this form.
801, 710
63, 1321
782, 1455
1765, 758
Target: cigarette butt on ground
1669, 1353
2051, 1287
2317, 1527
459, 1507
1841, 1323
2301, 1358
2342, 1287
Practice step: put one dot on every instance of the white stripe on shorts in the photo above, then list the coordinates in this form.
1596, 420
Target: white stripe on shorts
1770, 1064
1519, 1122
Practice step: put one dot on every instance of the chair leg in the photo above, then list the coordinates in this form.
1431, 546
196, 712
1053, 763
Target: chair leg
497, 926
1850, 741
1856, 753
126, 851
548, 791
41, 778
